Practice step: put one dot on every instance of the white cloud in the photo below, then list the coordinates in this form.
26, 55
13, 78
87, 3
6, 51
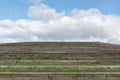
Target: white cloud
48, 25
43, 12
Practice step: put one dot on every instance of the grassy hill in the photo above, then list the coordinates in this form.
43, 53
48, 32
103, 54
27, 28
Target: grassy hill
59, 57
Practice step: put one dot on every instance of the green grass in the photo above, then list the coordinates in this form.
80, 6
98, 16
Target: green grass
33, 78
17, 64
31, 70
60, 65
61, 57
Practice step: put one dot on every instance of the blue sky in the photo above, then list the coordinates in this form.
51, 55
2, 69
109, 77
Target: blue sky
17, 9
59, 20
106, 6
13, 9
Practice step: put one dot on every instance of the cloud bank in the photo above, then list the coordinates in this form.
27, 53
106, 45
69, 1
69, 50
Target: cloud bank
46, 24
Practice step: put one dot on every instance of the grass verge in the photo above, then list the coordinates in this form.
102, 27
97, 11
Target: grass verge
31, 70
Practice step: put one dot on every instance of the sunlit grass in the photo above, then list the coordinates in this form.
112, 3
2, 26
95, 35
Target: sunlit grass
55, 70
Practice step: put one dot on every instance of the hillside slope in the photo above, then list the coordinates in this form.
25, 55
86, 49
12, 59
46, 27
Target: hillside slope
60, 61
59, 47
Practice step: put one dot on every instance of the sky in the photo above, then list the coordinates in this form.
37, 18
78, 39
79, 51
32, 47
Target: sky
59, 20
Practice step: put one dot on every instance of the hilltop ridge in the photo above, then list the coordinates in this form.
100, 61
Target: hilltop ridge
59, 47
